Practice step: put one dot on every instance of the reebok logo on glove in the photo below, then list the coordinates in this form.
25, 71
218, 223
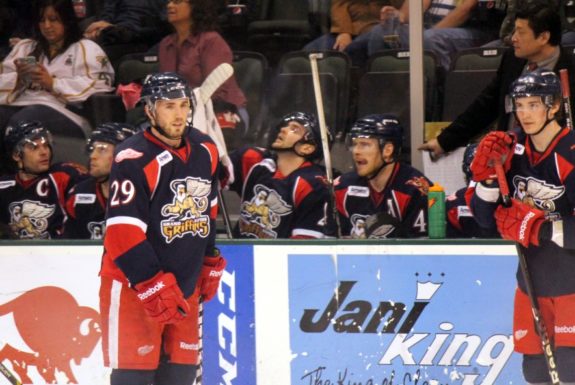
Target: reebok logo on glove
215, 273
524, 224
151, 291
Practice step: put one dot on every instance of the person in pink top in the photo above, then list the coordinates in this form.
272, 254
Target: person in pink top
194, 50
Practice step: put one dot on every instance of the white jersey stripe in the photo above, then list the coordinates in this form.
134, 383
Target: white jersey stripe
127, 221
114, 323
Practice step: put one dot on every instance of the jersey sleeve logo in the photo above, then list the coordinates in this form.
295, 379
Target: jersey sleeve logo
262, 214
128, 154
29, 219
187, 213
420, 183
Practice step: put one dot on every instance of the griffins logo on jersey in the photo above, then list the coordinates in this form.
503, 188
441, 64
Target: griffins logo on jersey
29, 219
261, 214
187, 212
537, 193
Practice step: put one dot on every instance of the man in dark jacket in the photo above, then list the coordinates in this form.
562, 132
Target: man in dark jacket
536, 44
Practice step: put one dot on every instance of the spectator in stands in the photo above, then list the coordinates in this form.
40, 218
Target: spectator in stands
535, 45
128, 26
39, 77
350, 22
382, 197
194, 50
282, 190
32, 198
448, 27
86, 203
506, 30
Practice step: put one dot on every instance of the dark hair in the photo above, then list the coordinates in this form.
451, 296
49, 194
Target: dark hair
542, 16
204, 16
72, 32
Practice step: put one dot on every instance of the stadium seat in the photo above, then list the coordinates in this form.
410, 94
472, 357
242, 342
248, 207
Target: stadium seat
283, 26
335, 73
384, 87
471, 72
251, 72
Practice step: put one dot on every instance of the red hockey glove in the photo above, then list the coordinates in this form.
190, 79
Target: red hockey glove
162, 298
493, 147
210, 276
520, 222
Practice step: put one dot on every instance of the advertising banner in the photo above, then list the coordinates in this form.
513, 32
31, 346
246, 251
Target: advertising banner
286, 314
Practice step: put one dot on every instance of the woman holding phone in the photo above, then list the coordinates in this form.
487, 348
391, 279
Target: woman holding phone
40, 76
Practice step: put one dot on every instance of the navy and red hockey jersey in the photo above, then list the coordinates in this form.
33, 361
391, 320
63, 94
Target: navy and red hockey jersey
86, 209
161, 209
34, 209
545, 181
278, 206
404, 198
460, 220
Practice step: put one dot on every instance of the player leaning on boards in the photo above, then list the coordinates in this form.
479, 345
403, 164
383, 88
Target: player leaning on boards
283, 191
539, 161
382, 197
86, 203
159, 244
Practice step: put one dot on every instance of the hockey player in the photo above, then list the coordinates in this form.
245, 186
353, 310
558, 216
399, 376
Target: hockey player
382, 198
283, 192
460, 221
86, 205
32, 199
158, 261
540, 163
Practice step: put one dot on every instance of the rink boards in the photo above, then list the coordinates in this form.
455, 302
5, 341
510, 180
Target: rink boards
288, 313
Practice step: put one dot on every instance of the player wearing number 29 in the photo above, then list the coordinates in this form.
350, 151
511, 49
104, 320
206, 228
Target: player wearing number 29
539, 161
380, 184
159, 253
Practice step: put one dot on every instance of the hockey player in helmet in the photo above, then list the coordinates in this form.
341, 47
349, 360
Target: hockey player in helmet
158, 262
32, 198
382, 197
86, 204
283, 191
460, 221
539, 164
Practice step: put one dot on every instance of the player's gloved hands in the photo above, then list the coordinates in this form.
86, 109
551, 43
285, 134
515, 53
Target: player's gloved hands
520, 222
494, 147
162, 298
210, 276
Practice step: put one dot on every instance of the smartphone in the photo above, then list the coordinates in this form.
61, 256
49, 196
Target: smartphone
27, 60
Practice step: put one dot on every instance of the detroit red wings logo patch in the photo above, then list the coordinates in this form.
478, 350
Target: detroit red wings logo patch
128, 154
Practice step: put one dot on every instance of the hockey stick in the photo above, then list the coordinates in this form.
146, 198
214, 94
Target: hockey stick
313, 57
566, 96
214, 80
539, 322
225, 215
199, 370
8, 374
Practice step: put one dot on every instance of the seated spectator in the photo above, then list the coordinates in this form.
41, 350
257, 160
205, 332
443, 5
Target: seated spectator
350, 22
39, 77
128, 26
382, 197
460, 220
448, 27
282, 190
86, 203
32, 198
193, 51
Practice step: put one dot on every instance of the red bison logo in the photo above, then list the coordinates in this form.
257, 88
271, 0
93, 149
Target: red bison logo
56, 330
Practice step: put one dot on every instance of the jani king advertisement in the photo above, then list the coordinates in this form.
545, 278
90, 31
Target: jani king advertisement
286, 314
